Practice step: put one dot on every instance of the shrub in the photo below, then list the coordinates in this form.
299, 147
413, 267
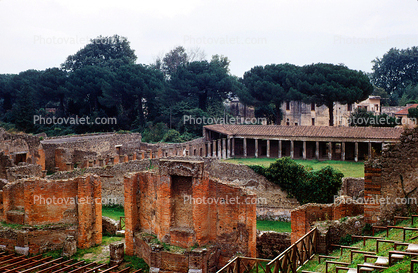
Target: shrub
305, 185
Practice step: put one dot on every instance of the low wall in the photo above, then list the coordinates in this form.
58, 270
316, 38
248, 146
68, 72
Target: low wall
35, 240
304, 216
39, 202
353, 187
270, 243
331, 232
24, 171
204, 260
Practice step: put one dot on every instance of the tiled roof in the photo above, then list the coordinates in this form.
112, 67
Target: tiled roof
405, 110
307, 131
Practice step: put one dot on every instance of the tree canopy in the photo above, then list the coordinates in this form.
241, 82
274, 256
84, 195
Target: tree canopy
396, 71
266, 88
325, 84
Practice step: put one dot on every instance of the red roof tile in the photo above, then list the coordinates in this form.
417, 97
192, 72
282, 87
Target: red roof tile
405, 110
307, 131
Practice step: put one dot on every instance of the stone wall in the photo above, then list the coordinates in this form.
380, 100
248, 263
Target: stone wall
353, 187
391, 180
270, 243
331, 232
304, 217
155, 204
39, 202
20, 148
272, 204
23, 171
80, 148
35, 240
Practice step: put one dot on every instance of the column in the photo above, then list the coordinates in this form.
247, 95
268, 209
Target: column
233, 147
329, 150
370, 150
304, 149
208, 149
245, 147
256, 148
292, 149
343, 151
228, 147
224, 148
317, 150
356, 151
214, 148
280, 149
219, 148
268, 147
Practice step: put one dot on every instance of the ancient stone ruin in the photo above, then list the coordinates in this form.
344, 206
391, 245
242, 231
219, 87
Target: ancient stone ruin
180, 205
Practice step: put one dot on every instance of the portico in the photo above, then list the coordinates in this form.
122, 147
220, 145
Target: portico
298, 142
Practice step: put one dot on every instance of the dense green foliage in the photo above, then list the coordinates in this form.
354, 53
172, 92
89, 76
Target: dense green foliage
323, 84
103, 80
397, 73
305, 185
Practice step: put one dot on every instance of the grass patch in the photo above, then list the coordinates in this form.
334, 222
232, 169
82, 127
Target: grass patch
114, 212
384, 248
264, 225
348, 168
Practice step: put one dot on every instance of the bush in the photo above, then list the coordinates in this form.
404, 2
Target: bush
305, 185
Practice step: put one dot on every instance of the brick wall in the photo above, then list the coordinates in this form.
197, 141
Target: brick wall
73, 202
353, 187
270, 243
151, 204
37, 240
384, 191
304, 217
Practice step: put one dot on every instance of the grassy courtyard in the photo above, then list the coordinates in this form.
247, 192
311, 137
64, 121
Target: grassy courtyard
114, 212
264, 225
348, 168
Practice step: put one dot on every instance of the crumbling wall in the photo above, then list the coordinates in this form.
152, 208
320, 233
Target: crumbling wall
331, 232
80, 148
353, 187
391, 181
21, 148
5, 163
23, 171
272, 204
304, 217
271, 243
210, 217
73, 202
34, 240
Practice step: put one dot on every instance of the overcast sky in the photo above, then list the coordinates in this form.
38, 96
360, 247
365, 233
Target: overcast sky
40, 34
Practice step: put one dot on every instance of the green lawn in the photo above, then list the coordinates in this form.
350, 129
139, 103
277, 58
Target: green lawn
348, 168
278, 226
114, 212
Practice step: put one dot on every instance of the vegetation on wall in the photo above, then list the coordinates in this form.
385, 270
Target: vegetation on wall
305, 185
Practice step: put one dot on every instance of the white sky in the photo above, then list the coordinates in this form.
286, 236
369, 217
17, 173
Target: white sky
39, 34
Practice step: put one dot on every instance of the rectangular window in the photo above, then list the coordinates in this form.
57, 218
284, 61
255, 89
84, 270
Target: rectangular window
313, 121
312, 106
349, 107
287, 105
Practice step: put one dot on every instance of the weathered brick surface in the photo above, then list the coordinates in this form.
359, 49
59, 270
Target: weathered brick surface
155, 203
304, 217
38, 240
270, 243
73, 202
384, 192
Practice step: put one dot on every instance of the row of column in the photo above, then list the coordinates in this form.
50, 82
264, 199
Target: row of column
226, 149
